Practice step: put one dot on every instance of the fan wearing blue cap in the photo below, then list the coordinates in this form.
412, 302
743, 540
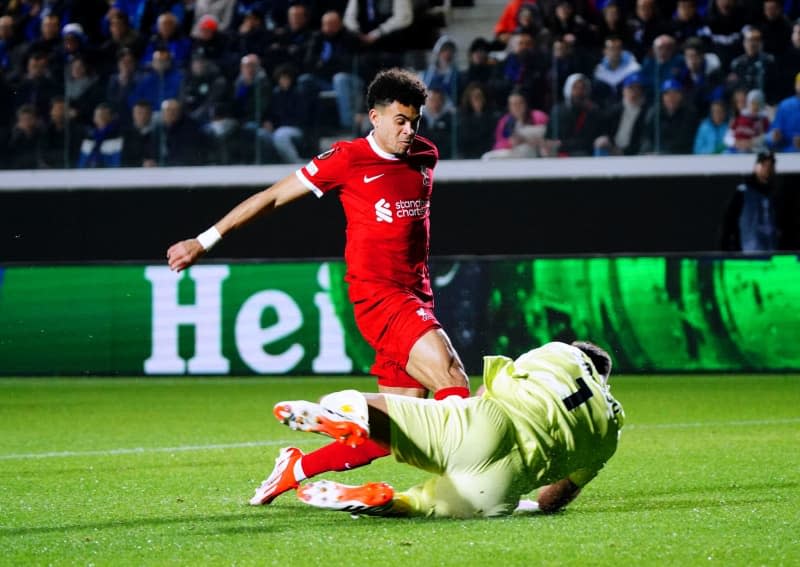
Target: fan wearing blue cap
625, 121
671, 123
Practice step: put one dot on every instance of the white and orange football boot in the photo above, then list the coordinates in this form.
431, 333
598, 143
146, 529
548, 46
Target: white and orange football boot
281, 479
372, 499
341, 415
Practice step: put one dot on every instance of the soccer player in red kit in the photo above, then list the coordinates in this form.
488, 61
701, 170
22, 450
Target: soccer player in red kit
384, 182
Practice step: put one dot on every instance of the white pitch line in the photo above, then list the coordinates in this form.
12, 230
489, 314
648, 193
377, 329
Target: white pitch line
250, 444
143, 450
735, 423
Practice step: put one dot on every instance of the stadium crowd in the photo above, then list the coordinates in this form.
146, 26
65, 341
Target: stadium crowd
96, 83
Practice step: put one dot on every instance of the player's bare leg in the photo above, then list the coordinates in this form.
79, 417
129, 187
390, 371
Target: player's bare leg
410, 392
434, 362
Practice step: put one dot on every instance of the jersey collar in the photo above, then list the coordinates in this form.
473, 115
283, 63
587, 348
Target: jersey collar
375, 148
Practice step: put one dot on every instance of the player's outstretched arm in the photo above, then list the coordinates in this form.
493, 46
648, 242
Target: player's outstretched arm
183, 254
553, 497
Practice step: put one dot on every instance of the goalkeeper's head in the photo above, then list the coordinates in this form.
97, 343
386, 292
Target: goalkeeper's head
599, 357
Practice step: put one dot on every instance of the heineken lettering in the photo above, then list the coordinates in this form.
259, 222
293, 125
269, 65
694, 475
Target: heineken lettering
252, 336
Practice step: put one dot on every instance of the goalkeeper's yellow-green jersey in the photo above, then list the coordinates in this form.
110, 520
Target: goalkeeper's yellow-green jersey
567, 423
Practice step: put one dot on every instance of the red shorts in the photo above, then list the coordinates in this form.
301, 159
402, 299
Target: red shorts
392, 320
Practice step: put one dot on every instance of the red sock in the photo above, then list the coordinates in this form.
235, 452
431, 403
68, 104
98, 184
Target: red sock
459, 391
340, 457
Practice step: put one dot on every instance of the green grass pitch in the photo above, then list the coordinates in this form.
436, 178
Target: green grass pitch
159, 471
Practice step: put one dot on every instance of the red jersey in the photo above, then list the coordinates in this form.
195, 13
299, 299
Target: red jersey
386, 202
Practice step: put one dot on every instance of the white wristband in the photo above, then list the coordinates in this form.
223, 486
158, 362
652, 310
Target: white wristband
209, 238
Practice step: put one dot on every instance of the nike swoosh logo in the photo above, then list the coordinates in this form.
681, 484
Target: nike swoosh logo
373, 178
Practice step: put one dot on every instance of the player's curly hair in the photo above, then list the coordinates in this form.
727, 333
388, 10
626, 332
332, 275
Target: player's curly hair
599, 357
396, 84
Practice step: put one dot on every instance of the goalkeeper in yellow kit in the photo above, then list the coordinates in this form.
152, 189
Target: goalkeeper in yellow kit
546, 420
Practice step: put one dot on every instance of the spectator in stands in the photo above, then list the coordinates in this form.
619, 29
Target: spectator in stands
754, 69
213, 44
153, 9
574, 124
61, 138
789, 64
102, 147
437, 121
686, 22
227, 145
616, 65
613, 23
221, 10
565, 62
509, 22
82, 90
710, 137
121, 85
776, 29
644, 27
290, 116
123, 37
380, 25
203, 88
530, 20
251, 35
624, 121
476, 121
48, 41
131, 9
701, 75
785, 133
168, 37
23, 146
181, 141
74, 43
738, 101
291, 42
483, 69
525, 69
442, 72
10, 46
36, 87
566, 20
139, 139
251, 95
520, 132
752, 219
725, 22
329, 61
272, 12
665, 63
747, 130
670, 127
162, 82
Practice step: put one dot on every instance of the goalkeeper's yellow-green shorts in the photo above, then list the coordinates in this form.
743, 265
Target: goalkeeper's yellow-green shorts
470, 444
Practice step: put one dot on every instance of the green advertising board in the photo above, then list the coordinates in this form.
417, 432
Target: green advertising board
653, 313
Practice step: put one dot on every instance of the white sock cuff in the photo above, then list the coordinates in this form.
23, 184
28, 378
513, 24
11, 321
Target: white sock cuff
299, 473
